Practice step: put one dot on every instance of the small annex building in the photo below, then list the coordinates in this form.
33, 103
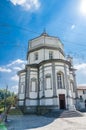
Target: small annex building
48, 80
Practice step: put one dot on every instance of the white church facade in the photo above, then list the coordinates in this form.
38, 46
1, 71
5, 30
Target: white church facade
48, 80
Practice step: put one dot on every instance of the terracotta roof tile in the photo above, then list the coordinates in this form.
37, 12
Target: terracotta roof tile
81, 87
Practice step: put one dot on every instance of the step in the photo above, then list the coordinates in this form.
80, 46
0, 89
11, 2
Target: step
64, 114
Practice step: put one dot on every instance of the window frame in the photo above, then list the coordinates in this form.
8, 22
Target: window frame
33, 80
60, 80
36, 56
46, 77
50, 54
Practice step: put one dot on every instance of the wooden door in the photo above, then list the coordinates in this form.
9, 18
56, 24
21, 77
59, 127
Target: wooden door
62, 101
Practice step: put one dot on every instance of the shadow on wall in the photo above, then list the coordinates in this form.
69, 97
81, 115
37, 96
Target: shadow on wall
27, 122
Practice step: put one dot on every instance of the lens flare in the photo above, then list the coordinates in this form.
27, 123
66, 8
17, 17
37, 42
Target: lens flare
83, 7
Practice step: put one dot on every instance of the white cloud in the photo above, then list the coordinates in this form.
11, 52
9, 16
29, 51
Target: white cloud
17, 68
2, 69
27, 4
81, 68
81, 73
15, 78
73, 26
18, 61
14, 65
19, 2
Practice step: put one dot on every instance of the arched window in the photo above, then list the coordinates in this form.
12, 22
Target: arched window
60, 80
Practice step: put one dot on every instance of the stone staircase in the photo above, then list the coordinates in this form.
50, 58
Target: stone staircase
63, 114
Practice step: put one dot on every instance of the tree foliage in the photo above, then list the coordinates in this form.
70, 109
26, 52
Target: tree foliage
6, 98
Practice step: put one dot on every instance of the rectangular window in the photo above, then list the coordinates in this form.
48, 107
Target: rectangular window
50, 55
36, 56
48, 82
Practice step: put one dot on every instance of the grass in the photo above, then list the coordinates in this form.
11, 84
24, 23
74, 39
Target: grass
15, 111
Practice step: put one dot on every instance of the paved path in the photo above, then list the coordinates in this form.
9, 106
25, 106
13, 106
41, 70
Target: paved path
33, 122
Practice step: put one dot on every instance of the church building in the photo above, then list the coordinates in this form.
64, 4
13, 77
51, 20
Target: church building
48, 80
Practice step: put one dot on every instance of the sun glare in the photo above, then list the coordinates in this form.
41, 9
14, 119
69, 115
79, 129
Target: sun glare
83, 7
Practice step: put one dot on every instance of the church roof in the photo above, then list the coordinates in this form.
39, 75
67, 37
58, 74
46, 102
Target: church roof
81, 88
44, 33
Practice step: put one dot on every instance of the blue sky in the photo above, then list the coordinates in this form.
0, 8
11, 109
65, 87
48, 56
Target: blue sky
21, 20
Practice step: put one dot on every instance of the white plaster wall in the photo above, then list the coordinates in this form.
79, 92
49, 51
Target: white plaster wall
40, 94
21, 96
23, 73
34, 69
48, 101
33, 95
33, 75
52, 41
56, 101
21, 103
59, 68
48, 70
71, 104
74, 95
71, 76
27, 103
56, 54
48, 93
40, 56
36, 42
59, 64
44, 54
48, 64
70, 93
67, 69
61, 91
80, 92
42, 102
31, 102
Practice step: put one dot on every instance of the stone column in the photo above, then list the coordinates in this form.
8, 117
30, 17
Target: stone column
27, 82
54, 80
75, 88
66, 85
43, 83
54, 86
